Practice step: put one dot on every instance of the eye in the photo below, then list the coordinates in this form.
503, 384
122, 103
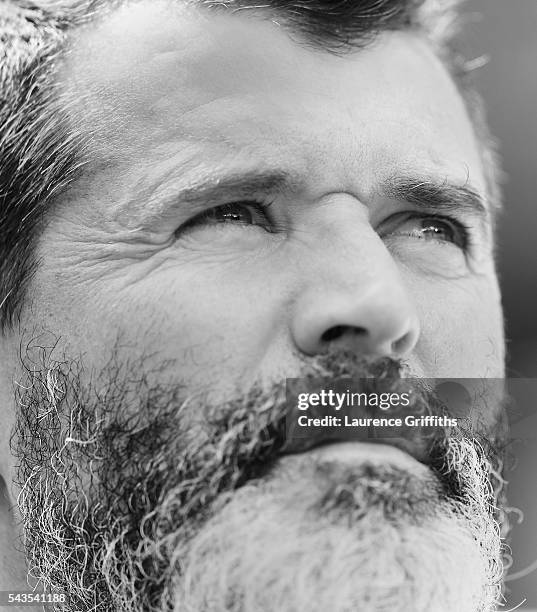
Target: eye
236, 213
434, 228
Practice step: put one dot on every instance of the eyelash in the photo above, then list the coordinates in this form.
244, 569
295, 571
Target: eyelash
272, 227
459, 227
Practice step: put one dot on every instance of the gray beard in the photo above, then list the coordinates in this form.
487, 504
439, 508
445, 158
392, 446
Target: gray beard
135, 498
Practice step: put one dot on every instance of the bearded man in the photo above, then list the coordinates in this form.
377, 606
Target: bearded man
198, 200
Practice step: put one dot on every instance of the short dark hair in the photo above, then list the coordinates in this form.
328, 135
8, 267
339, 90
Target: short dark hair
40, 156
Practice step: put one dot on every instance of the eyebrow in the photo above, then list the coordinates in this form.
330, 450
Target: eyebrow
239, 186
154, 205
439, 196
427, 194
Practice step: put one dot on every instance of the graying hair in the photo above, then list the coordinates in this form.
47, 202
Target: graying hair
40, 156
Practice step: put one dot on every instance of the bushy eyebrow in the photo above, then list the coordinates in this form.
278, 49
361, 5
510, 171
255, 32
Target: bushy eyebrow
437, 196
151, 204
422, 193
239, 186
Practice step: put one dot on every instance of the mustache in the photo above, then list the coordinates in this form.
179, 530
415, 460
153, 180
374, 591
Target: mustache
265, 424
242, 437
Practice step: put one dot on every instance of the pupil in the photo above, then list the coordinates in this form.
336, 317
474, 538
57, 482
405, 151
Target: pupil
237, 214
435, 229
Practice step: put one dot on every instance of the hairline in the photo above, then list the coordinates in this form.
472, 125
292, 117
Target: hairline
48, 59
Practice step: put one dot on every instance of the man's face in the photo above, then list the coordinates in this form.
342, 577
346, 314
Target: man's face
252, 203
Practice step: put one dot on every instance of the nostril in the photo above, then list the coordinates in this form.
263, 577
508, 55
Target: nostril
401, 345
333, 333
336, 332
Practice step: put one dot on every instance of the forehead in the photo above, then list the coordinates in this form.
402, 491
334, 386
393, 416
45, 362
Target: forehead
158, 81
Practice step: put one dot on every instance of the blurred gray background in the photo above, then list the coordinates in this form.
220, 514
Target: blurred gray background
506, 31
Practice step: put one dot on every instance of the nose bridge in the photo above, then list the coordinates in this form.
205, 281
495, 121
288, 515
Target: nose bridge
353, 293
352, 259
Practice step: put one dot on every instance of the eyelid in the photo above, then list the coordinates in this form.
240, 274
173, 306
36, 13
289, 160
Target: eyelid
460, 225
261, 207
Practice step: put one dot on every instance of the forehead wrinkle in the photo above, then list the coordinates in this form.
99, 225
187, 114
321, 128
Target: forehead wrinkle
316, 138
103, 108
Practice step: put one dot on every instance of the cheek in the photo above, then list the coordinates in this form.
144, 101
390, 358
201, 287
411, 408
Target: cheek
213, 328
462, 330
211, 316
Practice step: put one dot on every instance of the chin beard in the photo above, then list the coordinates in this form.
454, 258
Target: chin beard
134, 498
326, 537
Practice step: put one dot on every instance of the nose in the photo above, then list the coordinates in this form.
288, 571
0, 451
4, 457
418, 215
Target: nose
353, 296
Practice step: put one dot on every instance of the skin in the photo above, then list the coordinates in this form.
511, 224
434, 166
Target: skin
172, 98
